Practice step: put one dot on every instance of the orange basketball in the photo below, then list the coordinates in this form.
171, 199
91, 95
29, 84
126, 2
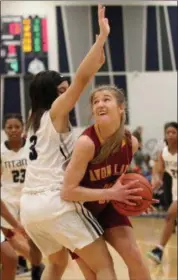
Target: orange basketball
141, 205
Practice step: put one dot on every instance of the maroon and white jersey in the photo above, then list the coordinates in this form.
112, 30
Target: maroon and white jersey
104, 174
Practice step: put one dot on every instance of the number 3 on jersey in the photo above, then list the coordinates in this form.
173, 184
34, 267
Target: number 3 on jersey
33, 153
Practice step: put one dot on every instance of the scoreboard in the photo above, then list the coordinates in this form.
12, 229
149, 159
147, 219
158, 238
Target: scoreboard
10, 60
24, 45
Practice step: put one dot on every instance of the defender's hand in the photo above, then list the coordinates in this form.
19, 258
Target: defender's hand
103, 22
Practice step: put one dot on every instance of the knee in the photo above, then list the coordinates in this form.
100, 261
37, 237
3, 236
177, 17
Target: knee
11, 260
104, 264
58, 266
35, 257
35, 260
35, 254
60, 261
134, 256
110, 262
170, 217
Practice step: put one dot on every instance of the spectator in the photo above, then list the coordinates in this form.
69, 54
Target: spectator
138, 157
166, 186
138, 134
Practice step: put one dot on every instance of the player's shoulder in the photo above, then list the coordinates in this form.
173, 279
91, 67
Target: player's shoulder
5, 152
4, 147
92, 134
165, 151
84, 147
89, 135
85, 142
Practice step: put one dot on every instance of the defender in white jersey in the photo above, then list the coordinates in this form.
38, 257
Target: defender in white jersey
166, 181
14, 153
168, 162
13, 168
51, 222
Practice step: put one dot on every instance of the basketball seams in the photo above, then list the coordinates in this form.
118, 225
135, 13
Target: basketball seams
129, 210
142, 183
121, 206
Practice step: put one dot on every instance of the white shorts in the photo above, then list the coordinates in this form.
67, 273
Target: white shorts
14, 209
53, 223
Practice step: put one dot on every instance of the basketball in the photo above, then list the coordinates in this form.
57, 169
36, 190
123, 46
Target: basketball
141, 205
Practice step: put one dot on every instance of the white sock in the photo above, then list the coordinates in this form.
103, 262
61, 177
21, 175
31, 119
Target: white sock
160, 247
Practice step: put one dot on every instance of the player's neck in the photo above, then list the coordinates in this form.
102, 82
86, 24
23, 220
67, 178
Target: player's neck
106, 131
15, 145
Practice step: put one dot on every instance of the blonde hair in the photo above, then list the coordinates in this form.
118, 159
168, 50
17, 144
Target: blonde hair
113, 143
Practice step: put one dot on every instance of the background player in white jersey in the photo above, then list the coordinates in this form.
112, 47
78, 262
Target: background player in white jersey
50, 221
8, 255
14, 152
168, 162
166, 187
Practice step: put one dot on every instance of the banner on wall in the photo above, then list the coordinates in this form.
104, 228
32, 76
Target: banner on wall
24, 45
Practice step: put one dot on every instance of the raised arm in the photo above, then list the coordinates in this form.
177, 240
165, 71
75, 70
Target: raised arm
87, 69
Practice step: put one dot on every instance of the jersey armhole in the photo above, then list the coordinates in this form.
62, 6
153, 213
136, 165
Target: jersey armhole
51, 124
53, 128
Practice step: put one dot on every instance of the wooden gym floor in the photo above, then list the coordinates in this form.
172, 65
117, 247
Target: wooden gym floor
147, 232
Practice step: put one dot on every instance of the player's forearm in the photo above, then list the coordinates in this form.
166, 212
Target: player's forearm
92, 62
157, 171
85, 194
7, 215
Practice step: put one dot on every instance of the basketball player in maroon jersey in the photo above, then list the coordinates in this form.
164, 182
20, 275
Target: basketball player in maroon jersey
101, 155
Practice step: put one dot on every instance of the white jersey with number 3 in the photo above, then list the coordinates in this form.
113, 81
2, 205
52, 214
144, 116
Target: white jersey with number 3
50, 221
49, 152
171, 167
13, 168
